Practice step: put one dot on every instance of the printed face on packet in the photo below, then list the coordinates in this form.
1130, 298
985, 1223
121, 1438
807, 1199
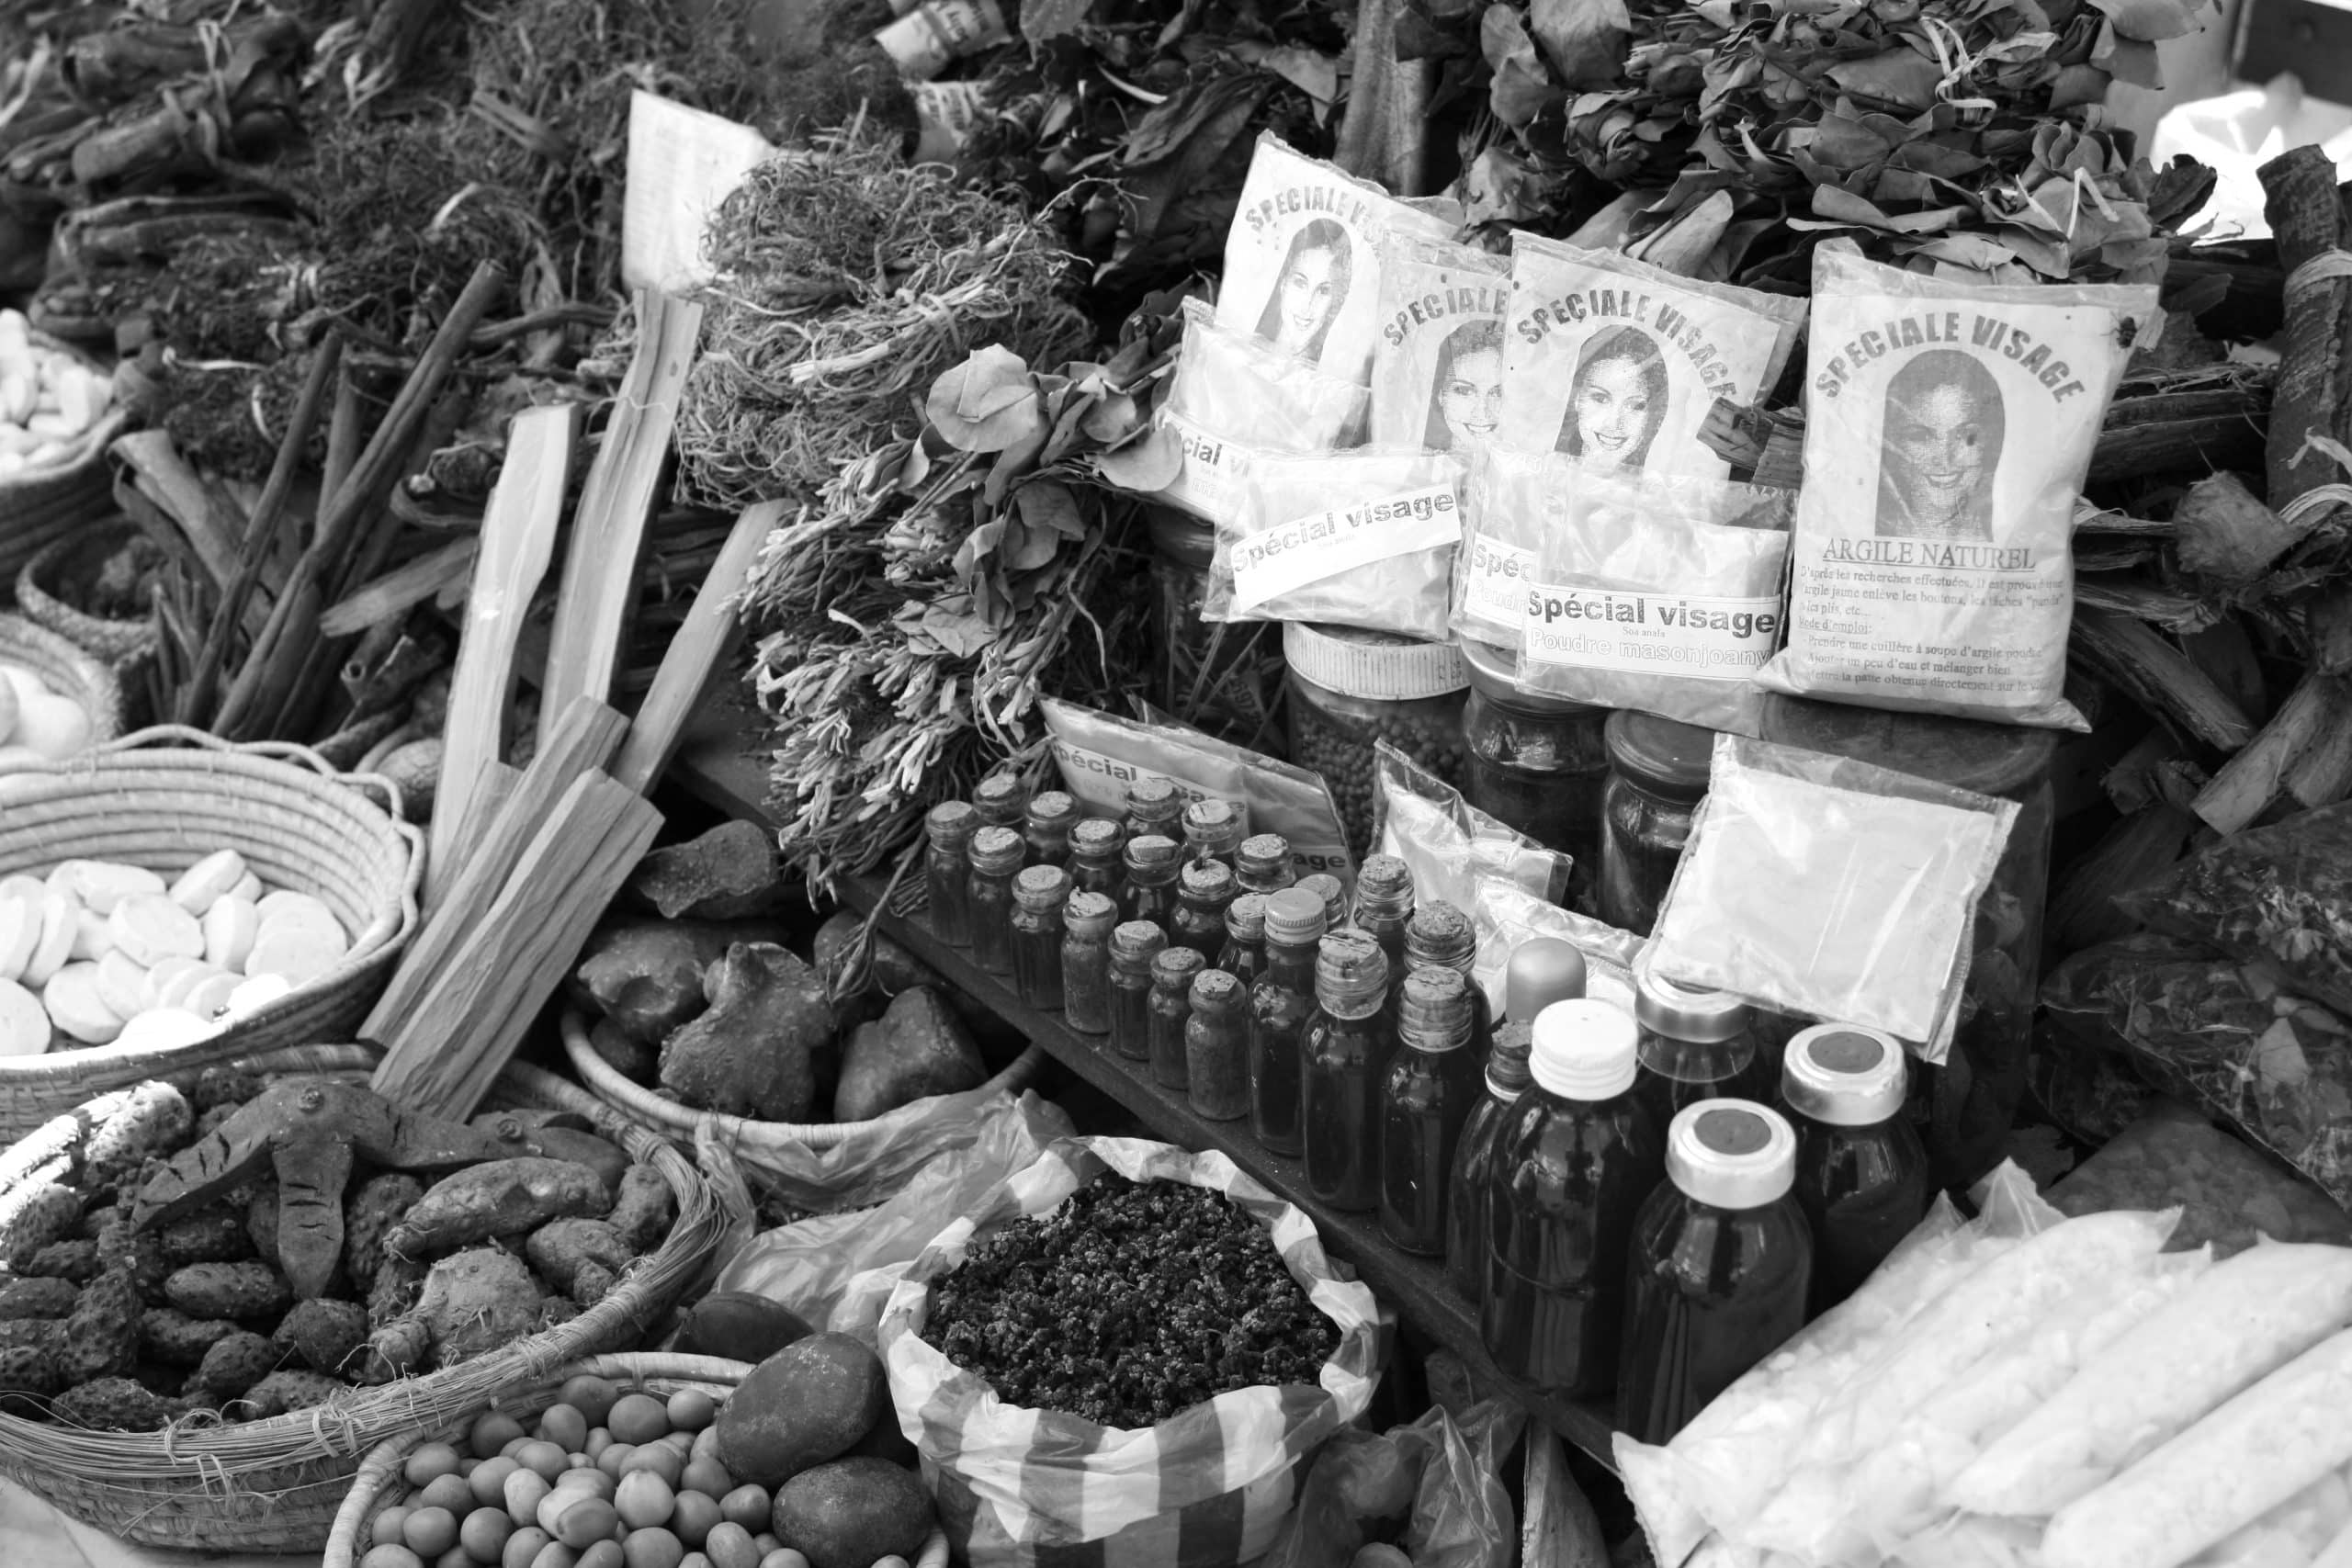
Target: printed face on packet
1618, 400
1309, 290
1943, 430
1468, 396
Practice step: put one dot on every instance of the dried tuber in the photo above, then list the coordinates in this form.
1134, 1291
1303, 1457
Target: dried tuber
473, 1302
729, 874
644, 1209
567, 1253
749, 1055
501, 1197
646, 976
923, 1049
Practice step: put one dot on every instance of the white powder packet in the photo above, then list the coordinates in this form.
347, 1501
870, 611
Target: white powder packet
1362, 538
1303, 257
1233, 400
1618, 363
1437, 369
1948, 428
1510, 497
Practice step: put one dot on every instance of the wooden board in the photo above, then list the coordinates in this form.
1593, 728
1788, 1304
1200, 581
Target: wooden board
696, 649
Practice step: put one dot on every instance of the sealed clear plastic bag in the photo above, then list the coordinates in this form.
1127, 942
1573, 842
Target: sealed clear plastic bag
1431, 1487
1659, 593
1437, 367
1510, 500
1362, 538
1833, 890
1507, 914
1450, 843
1234, 400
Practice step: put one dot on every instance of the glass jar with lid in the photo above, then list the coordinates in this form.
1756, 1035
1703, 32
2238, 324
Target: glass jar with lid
1657, 775
1539, 764
1002, 801
1096, 845
1963, 1108
947, 869
1046, 825
1350, 688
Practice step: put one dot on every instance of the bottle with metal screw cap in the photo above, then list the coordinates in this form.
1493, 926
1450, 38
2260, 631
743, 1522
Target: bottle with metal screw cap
1861, 1170
1426, 1098
1721, 1265
1575, 1157
1002, 801
1281, 1003
1038, 893
1172, 971
1696, 1045
1154, 806
1087, 920
1212, 831
1343, 1053
1243, 956
1047, 829
947, 870
1095, 863
996, 855
1204, 890
1151, 893
1262, 863
1542, 970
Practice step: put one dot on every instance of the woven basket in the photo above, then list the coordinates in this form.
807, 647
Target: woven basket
164, 798
66, 670
58, 500
117, 643
379, 1485
760, 1144
275, 1485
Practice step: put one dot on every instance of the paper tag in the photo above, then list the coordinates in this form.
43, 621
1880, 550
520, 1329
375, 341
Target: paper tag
682, 163
1324, 544
947, 111
1496, 578
1661, 634
923, 40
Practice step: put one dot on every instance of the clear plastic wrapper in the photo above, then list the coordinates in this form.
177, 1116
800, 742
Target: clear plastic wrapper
1450, 843
1657, 592
1437, 366
2277, 1300
1617, 362
2220, 1035
1700, 1493
1362, 538
1234, 400
1507, 914
1304, 253
2279, 895
1431, 1487
2229, 1194
2291, 1535
1832, 890
832, 1269
1948, 425
1510, 500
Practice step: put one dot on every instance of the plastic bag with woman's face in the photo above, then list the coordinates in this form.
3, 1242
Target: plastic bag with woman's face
1618, 363
1303, 258
1437, 370
1948, 428
1362, 538
1657, 592
1233, 401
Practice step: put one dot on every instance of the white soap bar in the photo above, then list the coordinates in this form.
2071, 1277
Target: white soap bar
92, 937
123, 985
60, 917
299, 950
230, 928
250, 888
20, 932
288, 905
53, 727
160, 1028
74, 1006
151, 926
214, 877
101, 884
257, 992
23, 887
24, 1023
210, 998
174, 981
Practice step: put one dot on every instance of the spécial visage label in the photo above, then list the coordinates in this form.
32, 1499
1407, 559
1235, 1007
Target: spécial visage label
1495, 576
1655, 634
1323, 543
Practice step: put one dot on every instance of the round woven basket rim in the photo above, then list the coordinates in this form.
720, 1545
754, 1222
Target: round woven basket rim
120, 1478
114, 641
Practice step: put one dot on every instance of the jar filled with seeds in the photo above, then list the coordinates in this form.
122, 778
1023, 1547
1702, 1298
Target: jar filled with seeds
1349, 688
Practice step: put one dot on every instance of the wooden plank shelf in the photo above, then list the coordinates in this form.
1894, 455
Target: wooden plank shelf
714, 768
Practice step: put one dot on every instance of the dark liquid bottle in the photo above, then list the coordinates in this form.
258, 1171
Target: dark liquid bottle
1095, 863
1262, 863
1425, 1099
1243, 956
996, 855
1154, 806
1204, 890
1046, 829
1719, 1267
1695, 1045
947, 870
1861, 1169
1150, 892
1574, 1161
1440, 936
1087, 920
1038, 893
1171, 1009
1281, 1003
1542, 970
1132, 947
1343, 1056
1384, 906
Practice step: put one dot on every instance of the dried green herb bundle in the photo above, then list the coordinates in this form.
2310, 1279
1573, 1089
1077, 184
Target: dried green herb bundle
1948, 133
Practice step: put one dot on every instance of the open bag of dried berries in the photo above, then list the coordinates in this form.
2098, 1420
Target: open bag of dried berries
1125, 1345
